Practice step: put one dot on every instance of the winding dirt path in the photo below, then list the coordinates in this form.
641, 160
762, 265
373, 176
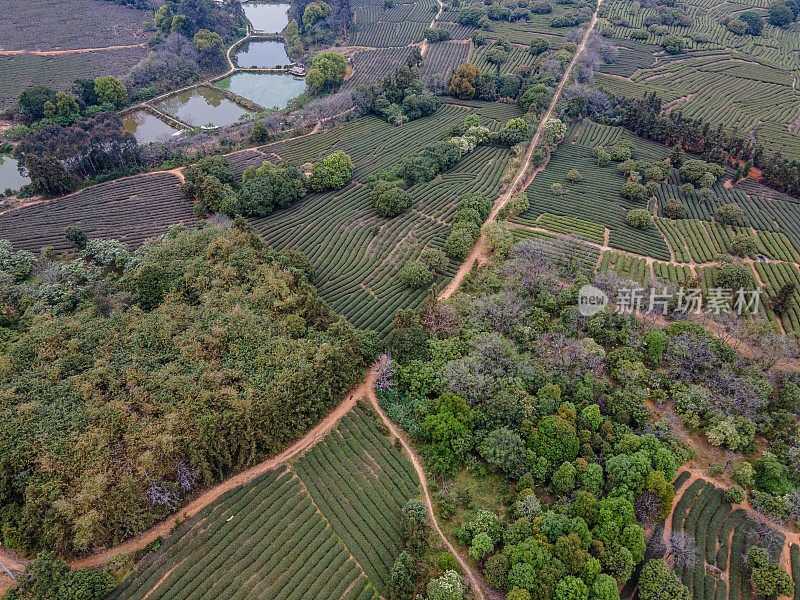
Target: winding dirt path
62, 52
309, 440
480, 249
477, 582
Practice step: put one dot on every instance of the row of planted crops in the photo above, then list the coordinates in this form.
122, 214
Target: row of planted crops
328, 526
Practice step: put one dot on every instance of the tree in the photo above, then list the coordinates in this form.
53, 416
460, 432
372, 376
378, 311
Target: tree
269, 188
673, 44
415, 274
315, 80
49, 578
780, 15
459, 243
403, 578
504, 450
32, 100
554, 132
518, 204
496, 570
573, 175
571, 588
48, 176
783, 298
110, 90
389, 200
730, 214
771, 475
539, 46
76, 236
734, 495
753, 21
536, 97
333, 67
632, 191
481, 546
415, 519
465, 81
744, 245
315, 11
769, 579
447, 587
261, 133
639, 218
332, 172
734, 276
674, 209
657, 582
604, 588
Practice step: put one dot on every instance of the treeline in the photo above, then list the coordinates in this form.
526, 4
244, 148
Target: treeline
644, 117
130, 380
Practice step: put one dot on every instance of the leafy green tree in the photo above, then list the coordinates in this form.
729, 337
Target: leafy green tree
459, 243
638, 218
48, 176
734, 495
415, 274
447, 562
331, 173
769, 579
333, 67
415, 520
481, 545
571, 588
674, 209
539, 46
554, 132
270, 188
673, 44
730, 214
31, 100
632, 191
657, 582
563, 480
504, 450
261, 133
49, 578
314, 12
389, 200
780, 15
110, 90
448, 433
734, 276
604, 588
76, 236
496, 571
403, 578
771, 475
447, 587
554, 439
315, 79
465, 81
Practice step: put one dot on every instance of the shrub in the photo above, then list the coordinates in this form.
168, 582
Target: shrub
734, 276
415, 274
734, 495
639, 218
573, 175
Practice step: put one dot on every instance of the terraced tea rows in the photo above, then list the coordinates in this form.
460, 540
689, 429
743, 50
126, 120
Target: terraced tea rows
296, 533
706, 530
371, 66
401, 24
130, 210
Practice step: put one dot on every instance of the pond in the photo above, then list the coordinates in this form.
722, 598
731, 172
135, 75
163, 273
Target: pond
270, 90
146, 127
10, 177
262, 55
267, 17
202, 106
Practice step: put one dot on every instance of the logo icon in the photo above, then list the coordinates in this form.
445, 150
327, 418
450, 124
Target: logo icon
591, 300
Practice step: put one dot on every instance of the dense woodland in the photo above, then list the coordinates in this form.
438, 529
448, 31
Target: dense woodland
132, 379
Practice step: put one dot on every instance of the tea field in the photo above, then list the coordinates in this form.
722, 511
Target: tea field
328, 526
130, 210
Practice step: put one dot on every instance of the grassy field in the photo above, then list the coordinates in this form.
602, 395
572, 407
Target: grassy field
326, 527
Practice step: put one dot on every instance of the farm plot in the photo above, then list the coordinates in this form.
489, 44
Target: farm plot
583, 256
740, 81
43, 25
584, 230
293, 533
23, 70
707, 531
401, 24
442, 58
630, 267
130, 210
775, 276
371, 66
517, 57
358, 254
595, 198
